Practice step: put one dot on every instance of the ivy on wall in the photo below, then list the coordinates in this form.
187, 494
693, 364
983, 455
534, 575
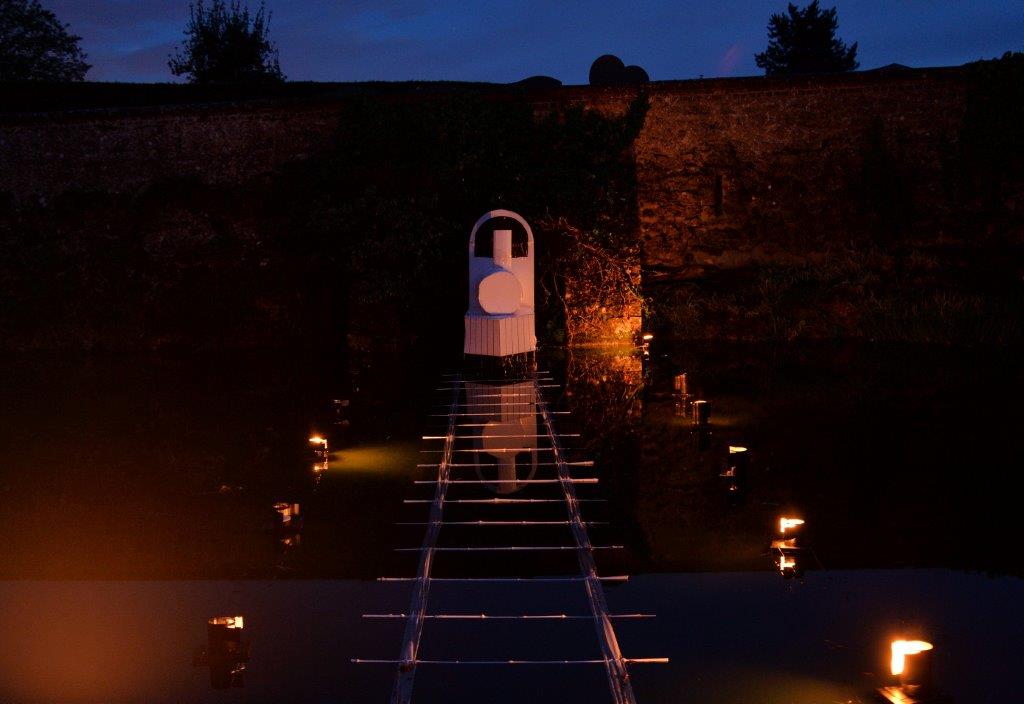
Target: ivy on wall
383, 218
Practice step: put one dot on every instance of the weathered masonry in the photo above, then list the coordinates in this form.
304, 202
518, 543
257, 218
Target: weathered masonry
730, 173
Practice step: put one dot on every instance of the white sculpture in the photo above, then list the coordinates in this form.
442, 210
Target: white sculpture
500, 320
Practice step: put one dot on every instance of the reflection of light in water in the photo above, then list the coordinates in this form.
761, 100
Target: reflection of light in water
901, 649
385, 458
679, 385
508, 416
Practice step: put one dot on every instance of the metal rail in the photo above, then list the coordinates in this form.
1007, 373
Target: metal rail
509, 617
402, 691
614, 662
611, 659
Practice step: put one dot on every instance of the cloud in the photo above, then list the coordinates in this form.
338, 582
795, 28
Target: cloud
504, 40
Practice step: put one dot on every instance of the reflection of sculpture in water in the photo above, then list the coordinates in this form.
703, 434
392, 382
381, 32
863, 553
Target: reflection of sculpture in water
506, 417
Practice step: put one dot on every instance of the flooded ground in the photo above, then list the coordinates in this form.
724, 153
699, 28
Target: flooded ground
135, 488
731, 637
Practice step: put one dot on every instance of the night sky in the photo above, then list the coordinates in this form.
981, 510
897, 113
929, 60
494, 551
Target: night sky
502, 41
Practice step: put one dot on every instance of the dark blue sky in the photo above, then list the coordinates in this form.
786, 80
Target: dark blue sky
501, 41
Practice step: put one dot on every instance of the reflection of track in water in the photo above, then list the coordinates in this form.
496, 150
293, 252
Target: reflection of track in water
508, 436
498, 429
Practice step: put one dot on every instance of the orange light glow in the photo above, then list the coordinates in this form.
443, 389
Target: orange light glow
318, 440
786, 563
229, 621
787, 523
901, 649
736, 449
648, 337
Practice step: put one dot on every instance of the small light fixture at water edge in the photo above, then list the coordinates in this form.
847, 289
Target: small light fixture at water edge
701, 413
225, 652
900, 651
736, 463
289, 515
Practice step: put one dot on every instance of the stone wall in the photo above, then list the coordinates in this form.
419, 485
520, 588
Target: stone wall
732, 174
122, 151
736, 173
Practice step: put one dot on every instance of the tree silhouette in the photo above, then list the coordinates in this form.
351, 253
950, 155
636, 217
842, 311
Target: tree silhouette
226, 44
804, 41
35, 46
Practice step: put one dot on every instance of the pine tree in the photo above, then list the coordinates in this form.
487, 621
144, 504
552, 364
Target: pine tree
804, 41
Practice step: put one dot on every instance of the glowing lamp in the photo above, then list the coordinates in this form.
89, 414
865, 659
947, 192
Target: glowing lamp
789, 524
701, 413
227, 621
225, 652
323, 459
648, 337
900, 650
736, 464
739, 459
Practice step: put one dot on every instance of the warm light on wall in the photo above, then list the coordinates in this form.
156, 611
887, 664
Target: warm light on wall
901, 649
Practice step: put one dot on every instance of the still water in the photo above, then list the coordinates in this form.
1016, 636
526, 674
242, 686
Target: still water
139, 496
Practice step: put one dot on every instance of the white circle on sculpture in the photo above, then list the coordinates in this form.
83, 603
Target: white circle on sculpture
500, 293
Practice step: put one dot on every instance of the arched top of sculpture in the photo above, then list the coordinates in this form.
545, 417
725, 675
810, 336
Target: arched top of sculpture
502, 214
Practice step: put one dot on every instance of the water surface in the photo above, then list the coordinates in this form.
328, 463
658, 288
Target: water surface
140, 492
